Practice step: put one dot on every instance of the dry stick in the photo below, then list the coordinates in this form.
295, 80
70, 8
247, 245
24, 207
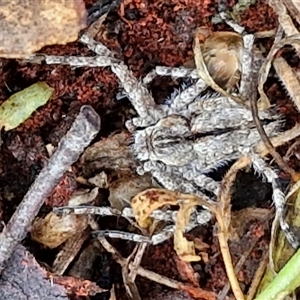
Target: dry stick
279, 160
258, 276
69, 251
137, 260
222, 295
222, 216
163, 280
84, 129
130, 285
141, 271
254, 108
123, 262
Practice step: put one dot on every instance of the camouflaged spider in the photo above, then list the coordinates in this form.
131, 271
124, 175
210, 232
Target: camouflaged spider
180, 142
195, 131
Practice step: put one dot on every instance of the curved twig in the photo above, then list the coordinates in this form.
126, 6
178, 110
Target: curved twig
278, 43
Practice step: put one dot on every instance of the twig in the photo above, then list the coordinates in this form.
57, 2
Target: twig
254, 108
137, 260
149, 274
69, 251
130, 285
282, 138
223, 218
279, 160
141, 271
84, 129
238, 267
259, 273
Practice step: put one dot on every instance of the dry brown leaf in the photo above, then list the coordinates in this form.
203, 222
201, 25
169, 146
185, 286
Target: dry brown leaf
204, 73
293, 7
202, 249
27, 26
112, 153
144, 203
53, 230
123, 189
184, 248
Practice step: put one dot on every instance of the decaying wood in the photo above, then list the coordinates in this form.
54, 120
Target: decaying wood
24, 279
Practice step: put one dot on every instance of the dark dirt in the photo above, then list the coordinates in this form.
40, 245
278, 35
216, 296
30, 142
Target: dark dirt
146, 34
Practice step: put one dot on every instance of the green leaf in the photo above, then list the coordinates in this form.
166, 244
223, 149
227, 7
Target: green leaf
286, 261
19, 107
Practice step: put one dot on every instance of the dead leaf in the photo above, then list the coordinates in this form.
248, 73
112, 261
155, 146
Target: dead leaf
112, 153
203, 70
27, 26
144, 203
53, 230
184, 248
202, 249
124, 188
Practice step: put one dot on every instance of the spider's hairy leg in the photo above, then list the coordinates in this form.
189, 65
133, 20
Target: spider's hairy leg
247, 64
140, 98
175, 182
96, 47
75, 61
183, 177
278, 196
137, 122
222, 9
204, 182
139, 95
189, 172
198, 218
179, 72
187, 96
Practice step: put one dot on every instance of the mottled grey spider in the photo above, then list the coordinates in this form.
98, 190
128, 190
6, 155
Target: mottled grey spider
180, 141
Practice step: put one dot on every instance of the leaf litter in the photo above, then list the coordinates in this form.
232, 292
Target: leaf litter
225, 209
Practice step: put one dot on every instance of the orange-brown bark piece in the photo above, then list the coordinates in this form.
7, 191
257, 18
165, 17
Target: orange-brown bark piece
27, 26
